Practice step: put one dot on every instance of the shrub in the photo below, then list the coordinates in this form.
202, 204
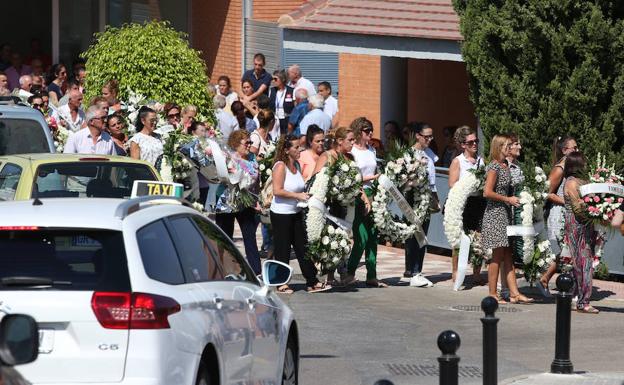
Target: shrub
151, 59
543, 68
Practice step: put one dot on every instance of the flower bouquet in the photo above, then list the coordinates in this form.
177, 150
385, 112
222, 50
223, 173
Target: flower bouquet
175, 166
536, 183
345, 183
60, 135
537, 261
408, 173
265, 165
603, 196
477, 253
331, 248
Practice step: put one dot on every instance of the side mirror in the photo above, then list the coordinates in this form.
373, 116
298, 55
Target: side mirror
19, 339
275, 273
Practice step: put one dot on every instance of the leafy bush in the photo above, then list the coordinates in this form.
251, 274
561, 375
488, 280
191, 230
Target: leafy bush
543, 68
602, 271
151, 59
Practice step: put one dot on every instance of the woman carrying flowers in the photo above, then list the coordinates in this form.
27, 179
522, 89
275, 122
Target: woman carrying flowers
315, 139
461, 165
580, 235
236, 200
517, 180
562, 146
342, 140
415, 253
496, 218
364, 232
286, 216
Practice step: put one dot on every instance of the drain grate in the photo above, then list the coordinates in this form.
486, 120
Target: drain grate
477, 308
429, 370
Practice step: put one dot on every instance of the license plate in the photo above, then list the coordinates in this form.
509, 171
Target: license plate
46, 341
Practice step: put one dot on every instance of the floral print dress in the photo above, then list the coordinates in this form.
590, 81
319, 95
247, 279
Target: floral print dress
497, 214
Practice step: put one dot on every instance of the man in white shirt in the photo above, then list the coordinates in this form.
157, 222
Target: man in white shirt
91, 139
23, 92
226, 123
298, 81
71, 115
315, 116
331, 103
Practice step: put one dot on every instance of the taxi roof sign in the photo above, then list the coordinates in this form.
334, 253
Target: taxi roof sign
155, 188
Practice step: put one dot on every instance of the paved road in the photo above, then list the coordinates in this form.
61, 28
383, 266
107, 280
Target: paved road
358, 336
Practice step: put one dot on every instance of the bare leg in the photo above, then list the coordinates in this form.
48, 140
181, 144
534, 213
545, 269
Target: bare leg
509, 272
454, 259
497, 255
552, 269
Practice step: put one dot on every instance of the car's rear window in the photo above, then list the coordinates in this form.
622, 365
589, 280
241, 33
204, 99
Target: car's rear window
70, 259
88, 179
22, 136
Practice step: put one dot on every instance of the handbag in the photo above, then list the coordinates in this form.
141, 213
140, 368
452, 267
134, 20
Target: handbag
434, 203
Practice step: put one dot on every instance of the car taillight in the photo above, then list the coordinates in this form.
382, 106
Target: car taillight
19, 227
133, 310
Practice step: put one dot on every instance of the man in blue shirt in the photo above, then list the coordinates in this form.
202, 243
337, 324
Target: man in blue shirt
258, 76
300, 110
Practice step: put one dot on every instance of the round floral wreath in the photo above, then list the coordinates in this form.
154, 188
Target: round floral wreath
328, 243
409, 174
455, 204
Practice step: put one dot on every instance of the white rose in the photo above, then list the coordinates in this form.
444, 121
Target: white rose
330, 230
347, 183
262, 167
269, 172
325, 240
340, 197
343, 243
347, 249
334, 245
335, 179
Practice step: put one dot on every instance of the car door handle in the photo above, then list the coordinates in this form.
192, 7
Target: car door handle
218, 301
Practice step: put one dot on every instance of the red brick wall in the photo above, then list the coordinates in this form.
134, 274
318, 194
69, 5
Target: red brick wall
437, 93
359, 79
271, 10
217, 32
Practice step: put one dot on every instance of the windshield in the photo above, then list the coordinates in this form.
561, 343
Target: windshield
63, 259
89, 179
22, 136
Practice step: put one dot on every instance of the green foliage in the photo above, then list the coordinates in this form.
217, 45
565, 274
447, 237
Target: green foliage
544, 68
151, 59
602, 271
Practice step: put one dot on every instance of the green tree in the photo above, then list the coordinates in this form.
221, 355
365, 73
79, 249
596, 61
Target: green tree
151, 59
545, 68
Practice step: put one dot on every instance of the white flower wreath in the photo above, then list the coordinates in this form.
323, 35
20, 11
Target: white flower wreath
409, 174
455, 204
328, 244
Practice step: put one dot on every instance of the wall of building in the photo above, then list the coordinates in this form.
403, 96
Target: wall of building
271, 10
359, 79
437, 93
217, 31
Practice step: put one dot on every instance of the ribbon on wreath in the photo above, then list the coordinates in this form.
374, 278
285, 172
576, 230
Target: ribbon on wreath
525, 231
405, 208
342, 223
602, 188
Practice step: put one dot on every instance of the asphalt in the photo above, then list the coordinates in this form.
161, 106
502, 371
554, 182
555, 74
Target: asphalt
360, 335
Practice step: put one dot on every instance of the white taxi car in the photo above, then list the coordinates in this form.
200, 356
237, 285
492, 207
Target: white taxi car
141, 292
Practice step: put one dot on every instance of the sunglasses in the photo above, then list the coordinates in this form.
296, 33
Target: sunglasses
248, 143
368, 132
171, 116
471, 142
36, 105
427, 137
275, 79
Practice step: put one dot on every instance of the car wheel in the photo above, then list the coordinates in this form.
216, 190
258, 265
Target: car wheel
290, 374
203, 377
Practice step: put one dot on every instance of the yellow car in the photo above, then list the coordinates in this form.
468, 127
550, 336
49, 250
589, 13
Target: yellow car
29, 176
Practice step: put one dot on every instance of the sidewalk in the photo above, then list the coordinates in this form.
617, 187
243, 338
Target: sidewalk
616, 378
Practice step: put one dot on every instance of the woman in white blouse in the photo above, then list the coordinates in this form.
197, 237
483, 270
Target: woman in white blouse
146, 144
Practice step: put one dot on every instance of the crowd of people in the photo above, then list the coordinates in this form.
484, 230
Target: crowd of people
301, 119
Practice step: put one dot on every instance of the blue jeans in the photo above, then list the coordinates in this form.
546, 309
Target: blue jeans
267, 237
247, 221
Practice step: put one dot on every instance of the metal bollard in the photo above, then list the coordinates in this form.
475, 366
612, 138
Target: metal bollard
448, 343
562, 363
489, 305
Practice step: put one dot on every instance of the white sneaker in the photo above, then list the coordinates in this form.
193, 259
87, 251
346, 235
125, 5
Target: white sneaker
420, 281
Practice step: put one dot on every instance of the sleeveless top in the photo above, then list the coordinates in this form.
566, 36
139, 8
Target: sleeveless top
293, 183
465, 164
366, 161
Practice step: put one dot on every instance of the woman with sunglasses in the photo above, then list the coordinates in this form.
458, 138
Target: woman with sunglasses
146, 144
555, 209
172, 115
115, 127
237, 201
364, 232
286, 217
282, 100
461, 165
415, 253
